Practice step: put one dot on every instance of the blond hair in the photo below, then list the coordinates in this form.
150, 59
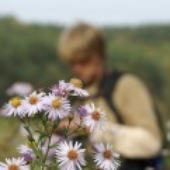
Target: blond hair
79, 42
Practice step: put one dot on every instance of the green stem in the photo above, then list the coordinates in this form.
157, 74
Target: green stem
48, 147
71, 133
67, 130
32, 165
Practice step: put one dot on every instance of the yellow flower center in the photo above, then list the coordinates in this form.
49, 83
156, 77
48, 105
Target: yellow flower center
33, 100
13, 167
95, 115
72, 155
76, 82
56, 103
15, 102
107, 154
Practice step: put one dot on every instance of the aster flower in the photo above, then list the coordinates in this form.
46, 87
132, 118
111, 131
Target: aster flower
61, 89
95, 118
56, 107
14, 164
20, 89
27, 152
82, 111
105, 158
14, 107
76, 88
69, 156
32, 104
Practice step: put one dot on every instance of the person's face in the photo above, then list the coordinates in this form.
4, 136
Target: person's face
87, 70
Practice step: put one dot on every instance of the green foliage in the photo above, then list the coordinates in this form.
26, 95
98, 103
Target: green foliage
27, 53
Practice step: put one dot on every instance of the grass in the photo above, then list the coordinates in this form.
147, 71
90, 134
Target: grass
9, 137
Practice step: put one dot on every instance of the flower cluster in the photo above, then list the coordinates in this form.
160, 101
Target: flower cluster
52, 109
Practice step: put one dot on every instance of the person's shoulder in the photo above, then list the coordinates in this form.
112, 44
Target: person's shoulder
130, 81
131, 87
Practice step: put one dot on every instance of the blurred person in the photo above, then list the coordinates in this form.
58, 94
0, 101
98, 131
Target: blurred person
132, 126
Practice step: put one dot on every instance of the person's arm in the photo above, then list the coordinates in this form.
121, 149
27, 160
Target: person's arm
140, 137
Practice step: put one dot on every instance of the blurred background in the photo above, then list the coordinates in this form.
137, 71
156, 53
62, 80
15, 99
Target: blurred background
137, 35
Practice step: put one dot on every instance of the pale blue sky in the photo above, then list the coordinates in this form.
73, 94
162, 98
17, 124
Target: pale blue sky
99, 12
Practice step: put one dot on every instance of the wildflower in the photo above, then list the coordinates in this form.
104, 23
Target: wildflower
95, 118
56, 107
82, 111
32, 104
76, 86
14, 164
105, 158
20, 89
14, 107
27, 152
70, 157
61, 89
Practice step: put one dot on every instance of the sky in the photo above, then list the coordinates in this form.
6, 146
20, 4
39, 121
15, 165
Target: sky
97, 12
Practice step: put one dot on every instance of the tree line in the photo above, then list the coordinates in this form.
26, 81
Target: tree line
28, 53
